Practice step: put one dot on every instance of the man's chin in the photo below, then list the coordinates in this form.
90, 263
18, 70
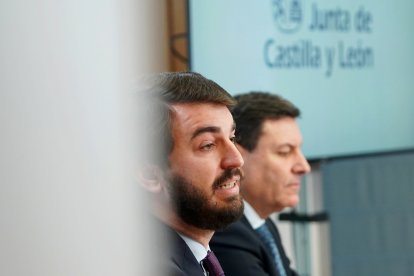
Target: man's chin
293, 202
222, 216
235, 200
203, 211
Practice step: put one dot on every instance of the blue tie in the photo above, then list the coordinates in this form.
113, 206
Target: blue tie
270, 243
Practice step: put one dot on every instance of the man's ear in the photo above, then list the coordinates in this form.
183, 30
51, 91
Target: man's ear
151, 178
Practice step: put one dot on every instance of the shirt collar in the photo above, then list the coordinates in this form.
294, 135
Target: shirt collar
199, 251
252, 217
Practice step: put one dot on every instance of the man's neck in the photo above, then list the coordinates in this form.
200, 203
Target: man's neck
201, 236
261, 209
252, 216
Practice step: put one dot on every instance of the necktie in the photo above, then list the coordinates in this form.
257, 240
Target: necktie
212, 265
270, 243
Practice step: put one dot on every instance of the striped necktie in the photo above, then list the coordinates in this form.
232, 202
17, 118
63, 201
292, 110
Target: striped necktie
270, 243
212, 265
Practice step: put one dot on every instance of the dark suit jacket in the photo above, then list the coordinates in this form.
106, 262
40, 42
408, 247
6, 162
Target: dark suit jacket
242, 253
179, 260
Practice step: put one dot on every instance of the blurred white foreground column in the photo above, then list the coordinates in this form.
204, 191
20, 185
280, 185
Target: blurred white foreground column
67, 202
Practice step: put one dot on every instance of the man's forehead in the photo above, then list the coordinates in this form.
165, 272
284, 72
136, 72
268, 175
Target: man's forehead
282, 130
202, 117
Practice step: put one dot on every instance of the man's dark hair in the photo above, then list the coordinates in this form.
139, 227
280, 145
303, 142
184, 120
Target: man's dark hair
253, 109
169, 88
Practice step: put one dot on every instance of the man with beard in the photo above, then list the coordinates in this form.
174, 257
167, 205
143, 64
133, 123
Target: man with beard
269, 140
193, 173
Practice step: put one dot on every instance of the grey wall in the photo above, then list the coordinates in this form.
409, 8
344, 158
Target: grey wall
370, 201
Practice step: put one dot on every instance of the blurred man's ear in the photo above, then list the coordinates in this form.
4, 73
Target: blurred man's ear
151, 178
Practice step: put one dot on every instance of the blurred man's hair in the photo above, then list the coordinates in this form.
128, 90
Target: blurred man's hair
253, 109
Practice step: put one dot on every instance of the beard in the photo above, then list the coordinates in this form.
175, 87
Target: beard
195, 207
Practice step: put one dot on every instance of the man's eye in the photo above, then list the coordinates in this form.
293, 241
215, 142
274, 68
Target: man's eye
283, 153
207, 146
233, 139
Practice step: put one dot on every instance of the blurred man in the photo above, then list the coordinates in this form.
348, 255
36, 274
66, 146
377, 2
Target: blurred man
195, 175
269, 140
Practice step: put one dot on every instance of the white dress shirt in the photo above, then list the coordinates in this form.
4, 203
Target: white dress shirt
198, 250
252, 217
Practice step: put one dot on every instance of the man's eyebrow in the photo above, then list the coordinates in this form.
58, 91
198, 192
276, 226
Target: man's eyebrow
201, 130
211, 129
287, 144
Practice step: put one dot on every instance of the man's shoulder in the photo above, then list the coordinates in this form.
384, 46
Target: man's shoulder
240, 250
241, 225
239, 232
178, 258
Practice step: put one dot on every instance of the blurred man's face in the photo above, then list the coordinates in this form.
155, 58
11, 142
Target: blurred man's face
204, 166
274, 168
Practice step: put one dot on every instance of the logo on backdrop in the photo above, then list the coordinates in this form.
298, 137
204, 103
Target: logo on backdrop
287, 15
345, 50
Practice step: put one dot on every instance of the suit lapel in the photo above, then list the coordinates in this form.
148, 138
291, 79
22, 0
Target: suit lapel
181, 256
266, 256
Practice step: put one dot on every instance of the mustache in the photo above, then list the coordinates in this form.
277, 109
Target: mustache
227, 174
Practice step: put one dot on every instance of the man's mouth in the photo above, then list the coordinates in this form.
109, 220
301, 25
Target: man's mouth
228, 180
228, 185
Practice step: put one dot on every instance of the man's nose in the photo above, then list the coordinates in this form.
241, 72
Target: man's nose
302, 166
232, 157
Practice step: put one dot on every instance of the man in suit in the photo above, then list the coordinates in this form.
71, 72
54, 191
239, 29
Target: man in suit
192, 172
269, 140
